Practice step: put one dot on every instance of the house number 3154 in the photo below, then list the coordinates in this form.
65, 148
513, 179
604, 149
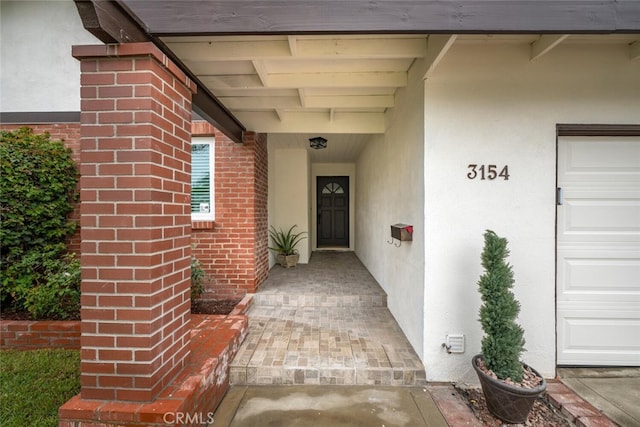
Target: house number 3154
487, 172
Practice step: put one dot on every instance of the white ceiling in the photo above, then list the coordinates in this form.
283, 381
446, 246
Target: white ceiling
330, 84
341, 148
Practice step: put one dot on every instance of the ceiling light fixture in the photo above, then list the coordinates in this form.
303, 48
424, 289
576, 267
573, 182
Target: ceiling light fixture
318, 143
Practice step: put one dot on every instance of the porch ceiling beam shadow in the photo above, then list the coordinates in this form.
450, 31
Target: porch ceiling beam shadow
189, 17
302, 94
437, 47
545, 43
261, 70
281, 115
634, 50
293, 45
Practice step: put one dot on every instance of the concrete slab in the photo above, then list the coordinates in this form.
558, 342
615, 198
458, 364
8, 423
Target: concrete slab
614, 391
353, 406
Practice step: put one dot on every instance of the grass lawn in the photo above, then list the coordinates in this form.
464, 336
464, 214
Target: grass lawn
33, 384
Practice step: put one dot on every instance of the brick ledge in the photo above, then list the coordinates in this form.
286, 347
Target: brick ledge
39, 334
193, 395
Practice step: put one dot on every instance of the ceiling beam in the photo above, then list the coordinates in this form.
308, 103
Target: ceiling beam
235, 81
437, 47
210, 109
316, 122
261, 102
189, 17
336, 80
545, 43
350, 101
365, 47
308, 80
109, 22
293, 102
320, 48
231, 50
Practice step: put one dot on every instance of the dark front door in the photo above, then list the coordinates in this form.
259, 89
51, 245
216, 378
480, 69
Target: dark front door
333, 211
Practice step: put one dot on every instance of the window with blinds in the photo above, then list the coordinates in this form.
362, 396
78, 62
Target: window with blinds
202, 173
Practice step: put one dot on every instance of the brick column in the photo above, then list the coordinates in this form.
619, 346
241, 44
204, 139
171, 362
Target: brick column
135, 216
260, 207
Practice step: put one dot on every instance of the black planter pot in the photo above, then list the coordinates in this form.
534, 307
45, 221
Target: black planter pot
508, 402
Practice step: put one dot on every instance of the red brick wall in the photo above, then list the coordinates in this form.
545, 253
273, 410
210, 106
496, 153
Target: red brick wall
233, 248
32, 335
136, 221
228, 282
70, 134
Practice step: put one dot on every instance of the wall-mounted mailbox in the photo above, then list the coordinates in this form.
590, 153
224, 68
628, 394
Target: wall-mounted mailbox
402, 232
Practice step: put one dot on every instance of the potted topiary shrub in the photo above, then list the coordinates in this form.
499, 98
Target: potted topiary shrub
510, 386
284, 245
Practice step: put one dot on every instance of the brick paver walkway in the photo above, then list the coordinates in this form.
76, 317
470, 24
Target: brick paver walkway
325, 322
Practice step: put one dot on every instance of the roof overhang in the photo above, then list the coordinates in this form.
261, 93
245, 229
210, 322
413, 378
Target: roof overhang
234, 17
333, 66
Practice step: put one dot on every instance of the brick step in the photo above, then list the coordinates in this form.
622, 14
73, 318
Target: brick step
319, 300
339, 375
318, 345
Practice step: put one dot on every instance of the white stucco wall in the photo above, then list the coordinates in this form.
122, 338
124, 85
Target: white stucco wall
289, 193
389, 174
37, 70
490, 105
333, 169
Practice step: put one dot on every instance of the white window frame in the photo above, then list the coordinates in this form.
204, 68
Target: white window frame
207, 216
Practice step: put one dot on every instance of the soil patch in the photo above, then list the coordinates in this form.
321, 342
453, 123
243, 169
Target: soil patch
212, 306
9, 313
542, 413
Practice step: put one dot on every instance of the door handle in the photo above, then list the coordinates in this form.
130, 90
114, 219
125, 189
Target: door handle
559, 196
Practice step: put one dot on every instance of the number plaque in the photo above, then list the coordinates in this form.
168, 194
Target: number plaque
487, 172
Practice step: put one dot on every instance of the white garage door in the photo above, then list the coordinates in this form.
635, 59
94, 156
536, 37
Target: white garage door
598, 255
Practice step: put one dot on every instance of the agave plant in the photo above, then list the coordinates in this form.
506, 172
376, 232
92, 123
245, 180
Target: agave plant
285, 243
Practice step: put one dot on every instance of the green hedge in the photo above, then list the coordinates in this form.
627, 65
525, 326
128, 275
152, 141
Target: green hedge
38, 188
